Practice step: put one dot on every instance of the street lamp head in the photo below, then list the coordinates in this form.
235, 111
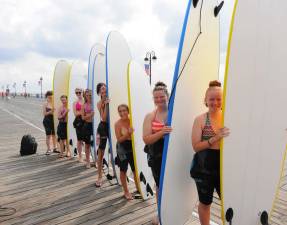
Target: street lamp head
146, 59
154, 58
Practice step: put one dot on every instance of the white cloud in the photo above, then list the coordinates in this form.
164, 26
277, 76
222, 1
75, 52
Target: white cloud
35, 34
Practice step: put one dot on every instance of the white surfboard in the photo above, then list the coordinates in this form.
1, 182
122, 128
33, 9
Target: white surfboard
60, 86
99, 76
118, 57
77, 80
255, 110
197, 64
140, 104
97, 49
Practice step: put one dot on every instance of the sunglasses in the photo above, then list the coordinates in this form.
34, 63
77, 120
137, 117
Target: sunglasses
78, 92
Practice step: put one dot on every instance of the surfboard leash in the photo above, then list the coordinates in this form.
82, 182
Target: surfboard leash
217, 10
192, 48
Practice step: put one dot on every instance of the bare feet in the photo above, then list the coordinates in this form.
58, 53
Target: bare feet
155, 220
88, 165
99, 183
128, 196
81, 160
48, 152
69, 155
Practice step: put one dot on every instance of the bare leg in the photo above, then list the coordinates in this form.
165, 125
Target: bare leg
204, 214
48, 142
54, 141
123, 177
62, 147
68, 151
88, 152
79, 148
58, 144
100, 169
155, 220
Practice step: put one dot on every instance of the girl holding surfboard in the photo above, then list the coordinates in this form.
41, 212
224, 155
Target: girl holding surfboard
207, 132
48, 113
87, 115
123, 132
103, 128
78, 122
62, 127
154, 130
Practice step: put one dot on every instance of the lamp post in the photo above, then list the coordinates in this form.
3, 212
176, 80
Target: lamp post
24, 85
7, 91
41, 80
150, 56
14, 86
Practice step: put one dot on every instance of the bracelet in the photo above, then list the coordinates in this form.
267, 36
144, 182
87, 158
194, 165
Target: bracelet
209, 142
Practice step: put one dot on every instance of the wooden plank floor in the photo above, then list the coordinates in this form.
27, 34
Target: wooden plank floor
47, 190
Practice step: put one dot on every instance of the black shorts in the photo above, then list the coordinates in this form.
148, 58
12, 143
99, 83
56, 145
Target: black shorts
62, 130
87, 131
156, 150
126, 156
205, 188
129, 160
206, 184
48, 123
156, 169
79, 132
103, 131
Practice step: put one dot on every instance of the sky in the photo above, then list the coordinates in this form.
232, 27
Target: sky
35, 34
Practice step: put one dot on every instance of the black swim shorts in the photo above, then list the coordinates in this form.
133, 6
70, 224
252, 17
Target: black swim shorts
87, 132
62, 130
49, 125
103, 131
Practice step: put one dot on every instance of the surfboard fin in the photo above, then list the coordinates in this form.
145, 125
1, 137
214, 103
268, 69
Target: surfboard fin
194, 2
109, 176
75, 152
105, 163
264, 218
149, 189
229, 215
71, 142
142, 178
218, 8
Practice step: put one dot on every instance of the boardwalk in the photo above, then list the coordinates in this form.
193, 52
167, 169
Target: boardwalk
46, 190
